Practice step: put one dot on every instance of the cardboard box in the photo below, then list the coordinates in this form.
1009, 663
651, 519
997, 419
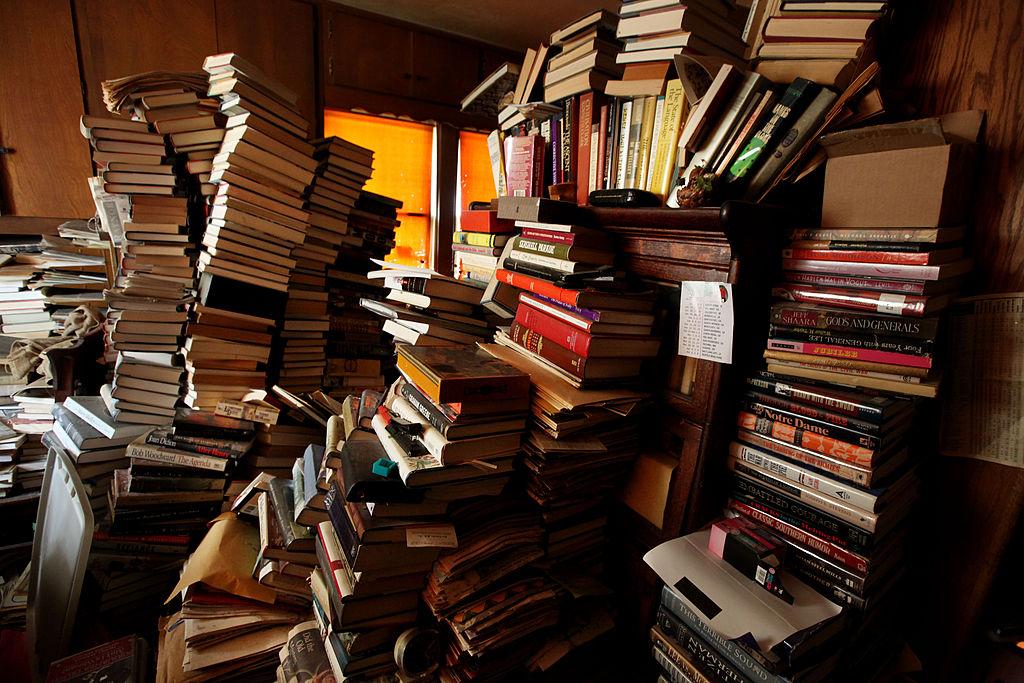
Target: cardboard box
916, 174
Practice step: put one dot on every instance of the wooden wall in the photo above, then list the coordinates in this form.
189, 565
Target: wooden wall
944, 56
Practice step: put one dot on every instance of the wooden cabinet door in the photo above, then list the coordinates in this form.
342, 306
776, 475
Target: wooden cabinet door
46, 171
368, 54
118, 38
278, 36
444, 70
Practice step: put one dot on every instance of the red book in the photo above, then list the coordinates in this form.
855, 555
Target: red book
851, 282
486, 220
572, 363
560, 332
918, 258
590, 240
859, 300
851, 353
585, 122
583, 298
602, 147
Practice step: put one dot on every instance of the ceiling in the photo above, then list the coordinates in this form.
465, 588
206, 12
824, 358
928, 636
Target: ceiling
516, 24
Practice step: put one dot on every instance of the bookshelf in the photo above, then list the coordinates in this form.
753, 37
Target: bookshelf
690, 424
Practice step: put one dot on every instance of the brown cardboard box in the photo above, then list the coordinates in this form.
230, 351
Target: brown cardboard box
911, 175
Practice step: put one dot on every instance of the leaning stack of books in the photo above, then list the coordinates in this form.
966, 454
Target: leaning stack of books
582, 56
478, 243
287, 554
23, 311
73, 271
823, 42
425, 308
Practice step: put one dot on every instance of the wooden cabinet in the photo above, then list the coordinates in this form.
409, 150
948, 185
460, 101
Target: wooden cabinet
444, 70
368, 53
694, 414
45, 169
279, 37
118, 38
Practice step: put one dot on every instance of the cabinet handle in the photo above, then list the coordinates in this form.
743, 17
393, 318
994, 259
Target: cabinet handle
6, 150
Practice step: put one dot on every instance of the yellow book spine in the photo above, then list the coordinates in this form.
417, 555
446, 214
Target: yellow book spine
644, 143
664, 155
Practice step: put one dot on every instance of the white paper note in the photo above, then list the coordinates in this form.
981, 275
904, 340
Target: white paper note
706, 321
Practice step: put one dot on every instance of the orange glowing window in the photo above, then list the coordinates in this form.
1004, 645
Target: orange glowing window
403, 164
476, 183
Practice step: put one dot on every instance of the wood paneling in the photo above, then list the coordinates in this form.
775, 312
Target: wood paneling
944, 56
279, 37
40, 104
118, 38
444, 70
368, 53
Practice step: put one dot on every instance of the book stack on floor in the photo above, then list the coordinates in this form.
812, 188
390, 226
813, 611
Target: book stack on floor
582, 57
287, 554
357, 352
825, 42
424, 308
262, 168
74, 269
654, 33
478, 243
229, 625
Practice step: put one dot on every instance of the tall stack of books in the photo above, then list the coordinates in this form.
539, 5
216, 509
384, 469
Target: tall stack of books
823, 42
582, 56
425, 308
23, 311
478, 243
262, 168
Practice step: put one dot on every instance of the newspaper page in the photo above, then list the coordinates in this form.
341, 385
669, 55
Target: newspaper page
983, 398
113, 209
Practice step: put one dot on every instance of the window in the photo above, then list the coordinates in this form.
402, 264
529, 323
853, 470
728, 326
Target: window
403, 163
476, 182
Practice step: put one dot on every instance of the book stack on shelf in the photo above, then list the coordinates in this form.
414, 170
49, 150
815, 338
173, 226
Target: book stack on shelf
357, 353
582, 56
75, 268
654, 32
478, 243
424, 308
826, 42
96, 443
23, 311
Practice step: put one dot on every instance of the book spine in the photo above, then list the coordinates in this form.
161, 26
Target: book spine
585, 313
904, 373
782, 113
673, 612
171, 442
870, 302
561, 333
611, 145
475, 239
664, 151
689, 670
803, 516
652, 147
836, 468
282, 502
473, 249
853, 282
813, 412
922, 258
566, 238
556, 251
429, 413
583, 147
598, 172
830, 590
896, 235
556, 311
812, 425
538, 286
802, 438
557, 264
572, 363
672, 673
704, 657
537, 165
850, 353
556, 146
633, 146
844, 557
797, 316
921, 348
202, 462
625, 125
807, 394
882, 270
566, 143
806, 563
779, 467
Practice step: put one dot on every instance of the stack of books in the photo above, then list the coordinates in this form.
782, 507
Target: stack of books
304, 652
287, 554
478, 243
582, 56
277, 445
357, 352
855, 308
823, 42
425, 308
73, 271
23, 312
94, 441
10, 453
